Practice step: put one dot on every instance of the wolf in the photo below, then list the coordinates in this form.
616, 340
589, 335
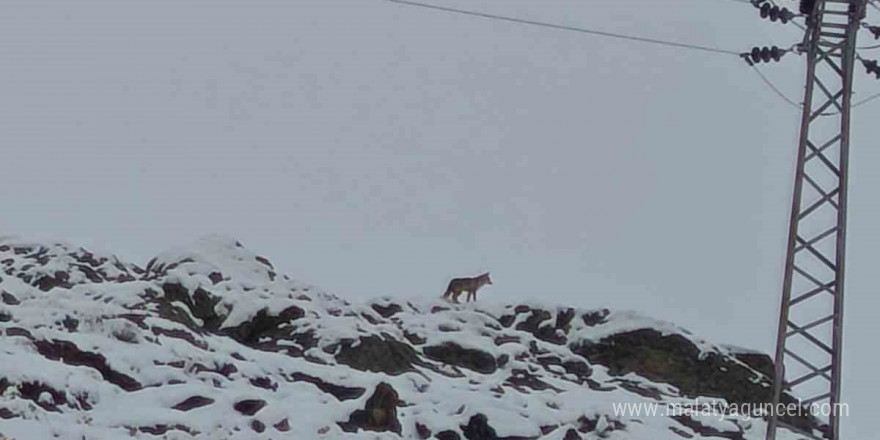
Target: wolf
469, 285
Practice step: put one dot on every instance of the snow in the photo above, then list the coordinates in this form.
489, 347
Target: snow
119, 321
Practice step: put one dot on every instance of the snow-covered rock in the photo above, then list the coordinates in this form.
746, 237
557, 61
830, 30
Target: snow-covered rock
208, 341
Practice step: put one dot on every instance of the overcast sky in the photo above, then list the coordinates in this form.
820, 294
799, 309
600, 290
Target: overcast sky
376, 149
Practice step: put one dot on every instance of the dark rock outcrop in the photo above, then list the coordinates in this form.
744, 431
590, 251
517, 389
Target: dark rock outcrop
70, 354
454, 354
376, 354
423, 431
447, 435
388, 310
708, 431
200, 304
478, 429
596, 317
282, 426
249, 407
193, 402
676, 360
264, 325
34, 390
9, 299
338, 391
379, 414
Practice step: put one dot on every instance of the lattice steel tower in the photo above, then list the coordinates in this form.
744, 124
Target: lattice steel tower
810, 335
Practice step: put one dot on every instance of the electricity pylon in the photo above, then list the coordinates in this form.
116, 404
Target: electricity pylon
810, 334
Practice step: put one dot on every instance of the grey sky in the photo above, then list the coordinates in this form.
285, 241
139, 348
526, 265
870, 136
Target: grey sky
375, 149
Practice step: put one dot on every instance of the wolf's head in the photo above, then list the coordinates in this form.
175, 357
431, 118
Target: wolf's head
484, 279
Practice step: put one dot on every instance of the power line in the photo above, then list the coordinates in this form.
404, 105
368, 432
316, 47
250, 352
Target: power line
792, 103
866, 100
565, 28
634, 38
774, 88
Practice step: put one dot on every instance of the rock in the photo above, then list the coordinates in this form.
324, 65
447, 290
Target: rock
215, 277
503, 360
707, 431
758, 361
370, 318
162, 429
70, 323
448, 435
379, 414
595, 318
554, 334
49, 282
413, 338
675, 360
264, 325
533, 322
578, 368
264, 383
547, 429
178, 333
9, 299
192, 403
18, 331
265, 262
423, 431
586, 424
571, 434
641, 389
680, 432
387, 311
43, 395
282, 426
523, 379
507, 320
453, 354
70, 354
478, 429
249, 407
224, 369
200, 304
507, 339
340, 392
378, 355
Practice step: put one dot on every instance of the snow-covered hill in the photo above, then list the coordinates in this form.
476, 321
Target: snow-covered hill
210, 342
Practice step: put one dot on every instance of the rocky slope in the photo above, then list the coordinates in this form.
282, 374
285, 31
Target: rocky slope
210, 342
